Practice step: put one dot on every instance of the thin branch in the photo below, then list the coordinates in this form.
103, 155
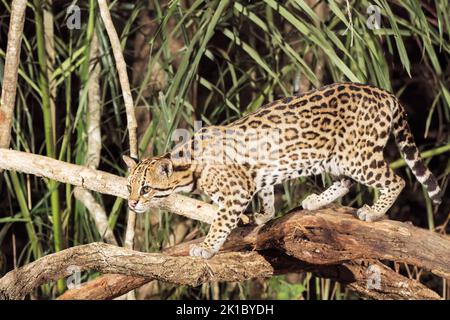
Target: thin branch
128, 100
123, 75
49, 35
98, 181
10, 72
97, 213
94, 145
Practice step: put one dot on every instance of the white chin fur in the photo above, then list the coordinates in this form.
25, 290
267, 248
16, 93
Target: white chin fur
139, 210
143, 209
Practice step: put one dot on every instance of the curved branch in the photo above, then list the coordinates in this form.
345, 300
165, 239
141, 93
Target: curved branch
107, 258
330, 243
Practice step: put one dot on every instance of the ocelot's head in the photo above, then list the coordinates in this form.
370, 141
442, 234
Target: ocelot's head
149, 181
153, 179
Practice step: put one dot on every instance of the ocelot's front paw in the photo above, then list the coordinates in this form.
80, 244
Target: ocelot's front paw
311, 202
200, 250
262, 218
365, 213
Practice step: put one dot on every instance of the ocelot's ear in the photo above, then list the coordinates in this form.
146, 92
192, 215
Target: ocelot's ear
167, 156
130, 162
164, 167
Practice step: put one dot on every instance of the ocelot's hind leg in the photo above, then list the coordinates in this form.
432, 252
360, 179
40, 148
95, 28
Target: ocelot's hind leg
267, 201
388, 184
336, 190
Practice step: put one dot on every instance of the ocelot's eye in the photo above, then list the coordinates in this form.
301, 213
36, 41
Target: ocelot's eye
145, 189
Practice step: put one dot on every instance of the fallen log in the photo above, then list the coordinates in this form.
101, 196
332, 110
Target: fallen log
329, 242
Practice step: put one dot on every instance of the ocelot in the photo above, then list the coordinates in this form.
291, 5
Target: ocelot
340, 129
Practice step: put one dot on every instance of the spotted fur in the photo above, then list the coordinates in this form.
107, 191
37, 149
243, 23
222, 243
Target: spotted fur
340, 129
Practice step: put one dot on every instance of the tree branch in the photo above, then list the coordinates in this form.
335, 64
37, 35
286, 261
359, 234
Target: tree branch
315, 244
11, 68
111, 259
123, 75
97, 180
129, 105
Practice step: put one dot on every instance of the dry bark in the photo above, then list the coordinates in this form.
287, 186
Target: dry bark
10, 72
49, 35
300, 241
328, 242
123, 75
97, 213
354, 274
107, 258
94, 113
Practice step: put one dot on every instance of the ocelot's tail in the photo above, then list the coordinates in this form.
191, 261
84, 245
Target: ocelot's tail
410, 153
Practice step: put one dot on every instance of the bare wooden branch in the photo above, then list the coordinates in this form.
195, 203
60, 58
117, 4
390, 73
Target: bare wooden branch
49, 34
64, 172
130, 232
128, 100
330, 243
106, 287
179, 269
111, 259
97, 180
97, 213
391, 284
333, 235
10, 72
355, 275
94, 107
123, 75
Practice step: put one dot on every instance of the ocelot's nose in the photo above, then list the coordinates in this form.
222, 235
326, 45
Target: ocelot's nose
132, 203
